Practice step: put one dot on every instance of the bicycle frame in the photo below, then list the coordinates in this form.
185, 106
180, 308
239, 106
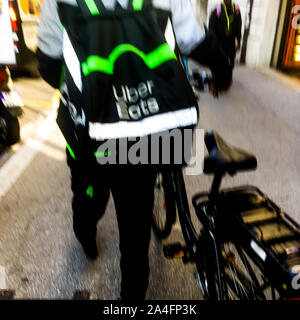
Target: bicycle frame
211, 240
194, 244
206, 249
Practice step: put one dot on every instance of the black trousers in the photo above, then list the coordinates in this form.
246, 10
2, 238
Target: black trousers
230, 51
132, 191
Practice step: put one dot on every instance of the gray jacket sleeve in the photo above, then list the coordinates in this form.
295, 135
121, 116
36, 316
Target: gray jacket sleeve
187, 29
189, 32
50, 32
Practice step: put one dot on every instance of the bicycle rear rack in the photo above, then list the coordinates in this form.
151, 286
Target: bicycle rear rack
269, 236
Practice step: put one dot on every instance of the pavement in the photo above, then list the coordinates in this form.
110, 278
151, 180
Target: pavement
261, 114
41, 259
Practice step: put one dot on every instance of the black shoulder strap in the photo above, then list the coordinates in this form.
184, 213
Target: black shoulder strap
118, 6
91, 7
96, 7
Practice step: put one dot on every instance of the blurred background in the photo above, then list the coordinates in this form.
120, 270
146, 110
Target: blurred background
268, 37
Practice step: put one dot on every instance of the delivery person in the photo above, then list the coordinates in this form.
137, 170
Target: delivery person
226, 22
131, 187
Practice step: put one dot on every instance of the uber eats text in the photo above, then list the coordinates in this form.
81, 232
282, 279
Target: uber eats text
135, 103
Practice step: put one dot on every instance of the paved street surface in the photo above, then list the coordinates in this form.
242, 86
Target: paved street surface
38, 252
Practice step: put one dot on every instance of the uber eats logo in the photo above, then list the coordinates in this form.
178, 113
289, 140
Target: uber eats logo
135, 103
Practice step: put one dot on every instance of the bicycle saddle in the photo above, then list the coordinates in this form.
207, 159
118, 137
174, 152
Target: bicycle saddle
224, 158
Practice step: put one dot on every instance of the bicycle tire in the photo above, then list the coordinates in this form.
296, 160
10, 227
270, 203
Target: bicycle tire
238, 283
252, 282
201, 267
206, 268
164, 210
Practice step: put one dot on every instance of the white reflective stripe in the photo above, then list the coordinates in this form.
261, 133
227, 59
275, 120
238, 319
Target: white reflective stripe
72, 61
151, 125
169, 35
261, 253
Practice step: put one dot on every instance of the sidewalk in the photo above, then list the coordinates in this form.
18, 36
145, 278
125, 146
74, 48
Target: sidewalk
277, 91
261, 114
280, 76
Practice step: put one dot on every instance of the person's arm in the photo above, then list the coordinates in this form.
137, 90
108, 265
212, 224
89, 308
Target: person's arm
210, 54
213, 20
198, 45
239, 30
50, 68
49, 51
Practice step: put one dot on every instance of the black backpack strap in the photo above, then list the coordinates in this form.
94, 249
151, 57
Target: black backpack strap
91, 7
118, 6
138, 5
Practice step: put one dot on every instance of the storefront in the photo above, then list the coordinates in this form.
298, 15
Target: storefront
288, 35
291, 53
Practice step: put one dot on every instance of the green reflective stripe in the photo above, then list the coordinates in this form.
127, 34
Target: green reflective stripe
153, 59
284, 286
226, 13
62, 76
137, 4
102, 154
70, 150
90, 191
92, 7
228, 23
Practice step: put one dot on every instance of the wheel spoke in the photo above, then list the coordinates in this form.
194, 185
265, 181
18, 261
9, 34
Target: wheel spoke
163, 211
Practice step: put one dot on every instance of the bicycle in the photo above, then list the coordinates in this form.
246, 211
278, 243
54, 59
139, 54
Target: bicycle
247, 248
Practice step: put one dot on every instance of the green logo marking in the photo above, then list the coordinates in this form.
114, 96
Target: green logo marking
153, 59
90, 191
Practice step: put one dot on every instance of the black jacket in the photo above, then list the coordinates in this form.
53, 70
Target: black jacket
219, 25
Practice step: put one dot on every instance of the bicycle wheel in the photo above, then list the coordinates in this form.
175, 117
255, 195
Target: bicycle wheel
209, 267
164, 211
202, 267
234, 277
244, 279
